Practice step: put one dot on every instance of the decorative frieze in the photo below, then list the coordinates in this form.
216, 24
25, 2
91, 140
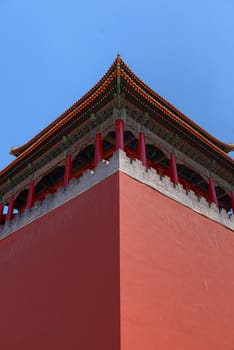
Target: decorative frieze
134, 169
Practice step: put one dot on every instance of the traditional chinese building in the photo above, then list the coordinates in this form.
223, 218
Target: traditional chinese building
115, 232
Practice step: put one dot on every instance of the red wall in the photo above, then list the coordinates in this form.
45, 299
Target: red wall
69, 279
177, 275
60, 277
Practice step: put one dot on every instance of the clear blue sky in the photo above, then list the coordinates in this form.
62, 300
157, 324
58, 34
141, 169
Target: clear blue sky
52, 52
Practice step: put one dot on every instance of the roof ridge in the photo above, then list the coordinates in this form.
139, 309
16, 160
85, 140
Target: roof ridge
19, 149
226, 147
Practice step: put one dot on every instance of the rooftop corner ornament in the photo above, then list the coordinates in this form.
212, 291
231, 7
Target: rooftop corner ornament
119, 111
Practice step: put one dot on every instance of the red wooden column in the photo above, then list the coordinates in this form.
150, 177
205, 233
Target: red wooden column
68, 170
212, 192
232, 200
141, 148
10, 214
119, 130
1, 211
173, 169
98, 149
31, 195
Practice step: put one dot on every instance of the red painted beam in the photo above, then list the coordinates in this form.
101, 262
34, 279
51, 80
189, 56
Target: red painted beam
10, 214
68, 170
212, 192
98, 149
119, 129
31, 195
173, 169
141, 148
232, 200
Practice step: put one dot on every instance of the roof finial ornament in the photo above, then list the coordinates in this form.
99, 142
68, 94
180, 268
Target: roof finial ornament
118, 60
118, 57
119, 111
